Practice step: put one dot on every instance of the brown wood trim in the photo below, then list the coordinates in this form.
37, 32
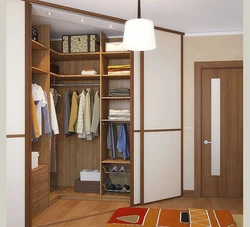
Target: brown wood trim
182, 131
162, 130
28, 74
142, 127
188, 193
132, 128
96, 15
198, 67
15, 136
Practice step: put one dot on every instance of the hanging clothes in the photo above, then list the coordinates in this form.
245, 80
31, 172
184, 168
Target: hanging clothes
35, 127
111, 140
46, 118
54, 122
88, 114
73, 113
66, 112
40, 102
80, 118
122, 142
96, 115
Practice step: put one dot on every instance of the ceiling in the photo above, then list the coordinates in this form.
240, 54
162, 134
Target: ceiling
188, 16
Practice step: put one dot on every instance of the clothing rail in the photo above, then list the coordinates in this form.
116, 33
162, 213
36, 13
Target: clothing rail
74, 85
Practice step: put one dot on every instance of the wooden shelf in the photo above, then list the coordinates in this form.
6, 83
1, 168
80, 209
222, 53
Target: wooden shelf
117, 55
116, 98
121, 76
118, 120
36, 70
116, 196
56, 56
80, 76
116, 161
38, 46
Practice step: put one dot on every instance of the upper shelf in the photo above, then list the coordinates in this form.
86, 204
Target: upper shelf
80, 76
38, 46
56, 56
116, 55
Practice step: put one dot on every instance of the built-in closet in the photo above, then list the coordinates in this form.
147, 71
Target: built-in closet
153, 170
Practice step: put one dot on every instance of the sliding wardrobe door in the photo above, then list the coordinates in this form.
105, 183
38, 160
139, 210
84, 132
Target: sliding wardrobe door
162, 119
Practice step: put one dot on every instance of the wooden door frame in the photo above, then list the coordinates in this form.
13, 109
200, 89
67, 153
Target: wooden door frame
198, 67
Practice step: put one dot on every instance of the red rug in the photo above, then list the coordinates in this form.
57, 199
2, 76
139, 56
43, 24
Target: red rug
154, 217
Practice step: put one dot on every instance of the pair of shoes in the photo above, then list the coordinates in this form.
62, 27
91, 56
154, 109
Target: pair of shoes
126, 188
118, 187
111, 187
114, 169
122, 169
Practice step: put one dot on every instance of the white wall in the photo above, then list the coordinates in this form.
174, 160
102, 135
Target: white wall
3, 113
246, 95
202, 48
15, 80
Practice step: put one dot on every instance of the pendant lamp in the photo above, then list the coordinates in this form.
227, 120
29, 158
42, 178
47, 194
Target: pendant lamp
139, 34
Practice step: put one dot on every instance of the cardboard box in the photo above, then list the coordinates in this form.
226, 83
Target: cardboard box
114, 46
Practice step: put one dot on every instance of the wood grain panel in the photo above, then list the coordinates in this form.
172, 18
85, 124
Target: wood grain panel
234, 159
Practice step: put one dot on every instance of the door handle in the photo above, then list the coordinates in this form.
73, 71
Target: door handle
206, 142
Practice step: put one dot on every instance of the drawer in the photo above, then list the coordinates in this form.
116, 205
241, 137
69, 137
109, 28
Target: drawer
39, 189
39, 175
39, 204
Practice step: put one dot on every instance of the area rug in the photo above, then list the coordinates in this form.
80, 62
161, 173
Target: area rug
154, 217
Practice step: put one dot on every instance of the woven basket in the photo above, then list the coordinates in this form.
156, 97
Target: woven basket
87, 186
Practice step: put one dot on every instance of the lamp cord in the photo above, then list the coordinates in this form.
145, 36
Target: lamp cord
139, 9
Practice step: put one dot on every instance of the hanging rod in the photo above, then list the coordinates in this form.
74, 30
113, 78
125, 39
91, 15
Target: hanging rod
73, 85
115, 123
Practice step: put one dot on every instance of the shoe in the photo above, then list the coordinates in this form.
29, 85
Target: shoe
122, 169
118, 187
114, 169
126, 188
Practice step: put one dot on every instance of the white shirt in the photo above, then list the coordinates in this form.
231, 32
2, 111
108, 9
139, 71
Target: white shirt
54, 122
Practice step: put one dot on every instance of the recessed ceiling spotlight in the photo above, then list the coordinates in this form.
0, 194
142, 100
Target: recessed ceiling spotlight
49, 13
82, 20
111, 26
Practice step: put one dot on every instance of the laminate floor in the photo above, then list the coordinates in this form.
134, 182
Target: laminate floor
77, 213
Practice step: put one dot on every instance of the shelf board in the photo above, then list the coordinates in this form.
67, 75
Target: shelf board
80, 76
38, 46
117, 55
118, 76
56, 56
116, 196
116, 98
118, 120
36, 70
116, 161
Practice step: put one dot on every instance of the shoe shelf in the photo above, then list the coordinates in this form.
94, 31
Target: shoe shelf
111, 172
108, 183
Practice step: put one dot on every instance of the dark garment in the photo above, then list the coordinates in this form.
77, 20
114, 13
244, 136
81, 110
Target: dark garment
66, 112
46, 118
122, 142
111, 140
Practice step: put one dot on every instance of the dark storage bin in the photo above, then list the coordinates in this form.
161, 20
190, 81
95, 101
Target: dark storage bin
54, 68
34, 34
87, 186
80, 43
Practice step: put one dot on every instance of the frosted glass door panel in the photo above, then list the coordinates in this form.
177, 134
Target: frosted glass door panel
162, 170
137, 90
215, 127
137, 168
162, 83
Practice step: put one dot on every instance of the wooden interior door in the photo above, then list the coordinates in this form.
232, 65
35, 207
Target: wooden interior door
222, 126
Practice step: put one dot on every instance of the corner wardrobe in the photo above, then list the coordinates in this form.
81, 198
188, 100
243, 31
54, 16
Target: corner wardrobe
152, 170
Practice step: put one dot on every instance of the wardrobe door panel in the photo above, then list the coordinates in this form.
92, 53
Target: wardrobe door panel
137, 94
162, 83
162, 160
137, 168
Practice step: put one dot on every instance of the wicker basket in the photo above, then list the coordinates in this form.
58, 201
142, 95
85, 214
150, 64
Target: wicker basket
87, 186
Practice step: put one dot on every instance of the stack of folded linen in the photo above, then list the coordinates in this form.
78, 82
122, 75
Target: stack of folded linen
88, 72
119, 92
119, 114
118, 69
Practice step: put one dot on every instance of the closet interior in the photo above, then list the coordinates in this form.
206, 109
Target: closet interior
63, 156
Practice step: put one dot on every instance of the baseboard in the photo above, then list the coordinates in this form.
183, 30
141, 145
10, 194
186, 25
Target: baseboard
188, 193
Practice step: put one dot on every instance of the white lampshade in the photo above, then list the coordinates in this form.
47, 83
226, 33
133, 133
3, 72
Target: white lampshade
139, 35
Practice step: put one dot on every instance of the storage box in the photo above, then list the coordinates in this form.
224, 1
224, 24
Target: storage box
87, 186
34, 34
114, 46
90, 175
80, 43
34, 159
